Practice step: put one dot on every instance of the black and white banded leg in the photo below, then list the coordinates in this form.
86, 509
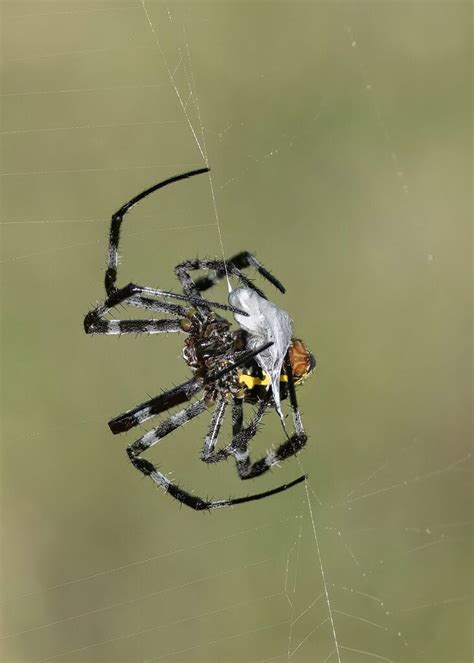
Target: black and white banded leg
96, 323
177, 396
166, 427
149, 469
165, 401
189, 285
139, 296
290, 447
242, 260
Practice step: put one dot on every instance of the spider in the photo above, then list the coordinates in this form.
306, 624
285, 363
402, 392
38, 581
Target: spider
258, 363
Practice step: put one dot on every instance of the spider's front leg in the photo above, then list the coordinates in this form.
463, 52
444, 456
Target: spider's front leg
241, 260
96, 323
117, 218
208, 453
192, 288
141, 297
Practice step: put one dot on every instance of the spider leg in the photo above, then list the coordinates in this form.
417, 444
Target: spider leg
155, 435
166, 427
289, 447
238, 448
243, 358
197, 503
190, 287
298, 424
117, 218
149, 469
241, 261
219, 504
95, 323
144, 411
242, 436
189, 298
208, 453
175, 396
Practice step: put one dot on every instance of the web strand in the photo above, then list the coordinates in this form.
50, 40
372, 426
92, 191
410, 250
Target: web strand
201, 147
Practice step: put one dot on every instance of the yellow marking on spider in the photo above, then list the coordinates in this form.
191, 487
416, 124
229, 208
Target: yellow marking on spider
251, 381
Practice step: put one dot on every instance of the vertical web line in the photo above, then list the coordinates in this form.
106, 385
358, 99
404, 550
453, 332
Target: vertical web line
202, 148
198, 110
171, 77
320, 559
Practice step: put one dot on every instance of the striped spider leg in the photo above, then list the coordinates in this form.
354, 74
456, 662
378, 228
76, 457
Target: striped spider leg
145, 442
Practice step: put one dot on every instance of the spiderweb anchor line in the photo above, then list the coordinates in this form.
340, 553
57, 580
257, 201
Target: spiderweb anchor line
201, 147
330, 610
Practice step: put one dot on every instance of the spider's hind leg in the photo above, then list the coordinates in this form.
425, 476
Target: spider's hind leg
290, 447
154, 436
147, 468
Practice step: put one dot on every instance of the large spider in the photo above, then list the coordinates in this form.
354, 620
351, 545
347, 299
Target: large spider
259, 362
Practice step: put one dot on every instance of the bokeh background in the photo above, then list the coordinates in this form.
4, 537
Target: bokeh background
339, 136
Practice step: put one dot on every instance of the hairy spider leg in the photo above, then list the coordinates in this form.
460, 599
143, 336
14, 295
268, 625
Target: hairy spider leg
144, 411
149, 469
241, 437
191, 300
189, 286
95, 323
174, 422
151, 437
117, 218
243, 358
168, 399
208, 453
241, 260
291, 446
297, 422
238, 448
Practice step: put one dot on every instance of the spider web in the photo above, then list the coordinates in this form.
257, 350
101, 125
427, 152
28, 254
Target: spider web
371, 560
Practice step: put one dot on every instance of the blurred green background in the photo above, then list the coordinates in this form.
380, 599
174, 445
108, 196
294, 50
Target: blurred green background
339, 136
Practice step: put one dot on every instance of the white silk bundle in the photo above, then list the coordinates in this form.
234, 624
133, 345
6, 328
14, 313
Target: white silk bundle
265, 323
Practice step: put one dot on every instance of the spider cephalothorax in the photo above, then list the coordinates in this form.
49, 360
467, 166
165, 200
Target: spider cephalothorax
259, 362
210, 348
